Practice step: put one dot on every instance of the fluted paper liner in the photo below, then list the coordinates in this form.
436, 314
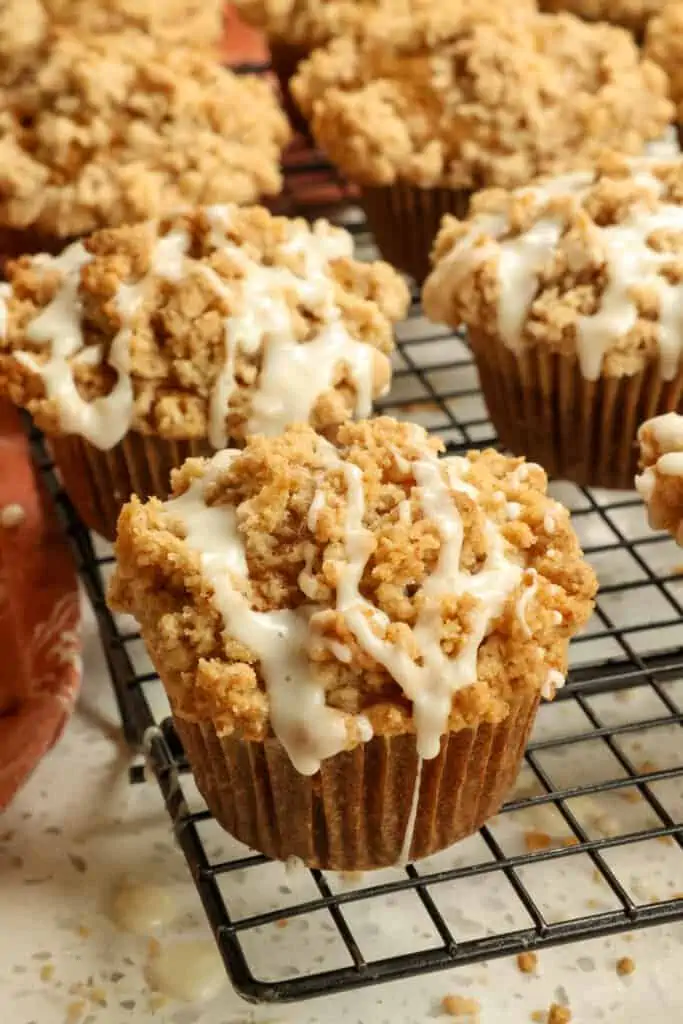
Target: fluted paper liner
405, 220
585, 431
353, 815
100, 483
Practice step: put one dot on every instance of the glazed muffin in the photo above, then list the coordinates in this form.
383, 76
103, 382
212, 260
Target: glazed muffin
631, 14
190, 22
427, 120
354, 637
660, 482
664, 46
146, 344
108, 130
569, 290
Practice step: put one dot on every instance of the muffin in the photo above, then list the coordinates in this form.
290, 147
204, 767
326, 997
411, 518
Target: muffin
664, 46
146, 344
354, 637
190, 22
427, 119
101, 131
660, 482
631, 14
570, 290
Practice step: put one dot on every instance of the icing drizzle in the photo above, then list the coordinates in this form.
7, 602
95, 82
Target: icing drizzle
309, 730
630, 261
292, 375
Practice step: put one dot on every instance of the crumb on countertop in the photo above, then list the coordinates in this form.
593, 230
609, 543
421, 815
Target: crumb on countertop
559, 1014
625, 965
460, 1006
527, 962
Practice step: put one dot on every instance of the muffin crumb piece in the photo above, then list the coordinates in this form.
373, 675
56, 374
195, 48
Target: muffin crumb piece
527, 962
626, 965
559, 1014
461, 1007
535, 840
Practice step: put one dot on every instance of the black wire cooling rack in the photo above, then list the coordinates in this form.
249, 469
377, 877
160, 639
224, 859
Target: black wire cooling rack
601, 792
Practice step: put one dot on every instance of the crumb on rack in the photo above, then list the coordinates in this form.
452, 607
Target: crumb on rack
527, 962
12, 515
559, 1014
625, 965
535, 840
460, 1006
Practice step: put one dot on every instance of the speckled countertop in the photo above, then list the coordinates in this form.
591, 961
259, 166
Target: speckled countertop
79, 826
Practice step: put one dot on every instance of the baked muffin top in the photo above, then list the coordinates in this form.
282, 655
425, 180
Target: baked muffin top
198, 22
660, 484
494, 102
589, 263
664, 46
107, 130
211, 324
326, 593
632, 14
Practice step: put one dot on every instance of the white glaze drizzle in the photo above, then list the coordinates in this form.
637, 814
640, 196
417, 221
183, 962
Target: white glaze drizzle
531, 580
629, 262
553, 682
409, 834
292, 375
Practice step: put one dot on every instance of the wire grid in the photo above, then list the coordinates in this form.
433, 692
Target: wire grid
591, 841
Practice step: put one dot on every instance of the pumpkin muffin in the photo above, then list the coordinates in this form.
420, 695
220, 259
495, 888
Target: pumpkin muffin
100, 131
146, 344
421, 120
354, 637
570, 290
660, 482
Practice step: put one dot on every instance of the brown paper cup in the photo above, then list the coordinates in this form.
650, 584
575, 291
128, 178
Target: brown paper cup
405, 220
579, 430
99, 483
285, 59
353, 815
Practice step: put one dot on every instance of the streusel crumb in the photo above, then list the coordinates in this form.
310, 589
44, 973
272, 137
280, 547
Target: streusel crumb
660, 484
586, 265
664, 46
380, 590
212, 323
192, 22
494, 101
108, 130
23, 25
632, 14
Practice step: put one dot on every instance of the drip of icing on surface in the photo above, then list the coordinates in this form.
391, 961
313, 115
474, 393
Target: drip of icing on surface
192, 971
104, 420
629, 262
409, 834
553, 682
141, 908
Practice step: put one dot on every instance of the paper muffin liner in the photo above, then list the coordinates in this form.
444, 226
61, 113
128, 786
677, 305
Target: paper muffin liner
580, 430
405, 220
285, 59
99, 483
354, 815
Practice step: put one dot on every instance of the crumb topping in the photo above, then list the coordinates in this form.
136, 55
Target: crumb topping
588, 264
664, 46
212, 324
632, 14
174, 21
491, 101
108, 130
325, 593
660, 484
23, 25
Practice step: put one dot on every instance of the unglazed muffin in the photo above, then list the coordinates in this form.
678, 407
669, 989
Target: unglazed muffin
660, 482
570, 290
631, 14
107, 130
354, 638
664, 46
191, 22
146, 344
422, 120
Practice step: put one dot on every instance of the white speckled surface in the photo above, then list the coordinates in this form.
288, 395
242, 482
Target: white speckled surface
79, 825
